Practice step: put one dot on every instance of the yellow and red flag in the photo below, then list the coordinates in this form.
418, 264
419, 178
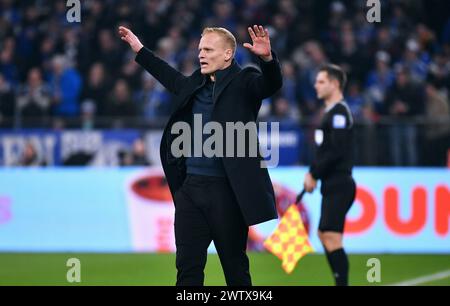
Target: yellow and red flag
289, 242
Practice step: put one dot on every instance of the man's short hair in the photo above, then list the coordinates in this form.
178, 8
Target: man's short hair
335, 73
227, 35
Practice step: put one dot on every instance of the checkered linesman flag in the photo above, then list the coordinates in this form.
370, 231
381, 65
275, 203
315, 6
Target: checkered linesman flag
289, 242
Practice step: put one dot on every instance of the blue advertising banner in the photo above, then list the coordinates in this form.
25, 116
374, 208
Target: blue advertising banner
131, 210
103, 147
55, 148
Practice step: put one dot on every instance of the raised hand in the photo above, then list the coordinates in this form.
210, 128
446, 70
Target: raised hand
261, 42
130, 38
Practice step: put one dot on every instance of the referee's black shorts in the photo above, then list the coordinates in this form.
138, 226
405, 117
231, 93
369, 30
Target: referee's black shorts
337, 198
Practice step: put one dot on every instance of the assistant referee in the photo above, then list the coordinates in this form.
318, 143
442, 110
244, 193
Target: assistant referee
333, 165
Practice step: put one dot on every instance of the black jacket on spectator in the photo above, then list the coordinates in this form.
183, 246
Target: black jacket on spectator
237, 98
7, 105
99, 95
411, 94
121, 109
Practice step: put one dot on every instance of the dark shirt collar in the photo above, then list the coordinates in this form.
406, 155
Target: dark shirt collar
221, 74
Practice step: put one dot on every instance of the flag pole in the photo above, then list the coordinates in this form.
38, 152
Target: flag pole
300, 196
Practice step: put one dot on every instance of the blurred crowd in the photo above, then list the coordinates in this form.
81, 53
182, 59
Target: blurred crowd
57, 74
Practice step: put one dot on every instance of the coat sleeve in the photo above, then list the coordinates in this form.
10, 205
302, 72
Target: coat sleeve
169, 77
267, 82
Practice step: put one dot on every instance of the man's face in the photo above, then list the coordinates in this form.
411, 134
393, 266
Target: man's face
402, 79
214, 54
324, 86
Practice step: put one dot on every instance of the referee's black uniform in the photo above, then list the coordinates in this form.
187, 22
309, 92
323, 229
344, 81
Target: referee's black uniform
333, 165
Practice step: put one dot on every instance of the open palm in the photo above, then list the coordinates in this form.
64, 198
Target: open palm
130, 38
260, 42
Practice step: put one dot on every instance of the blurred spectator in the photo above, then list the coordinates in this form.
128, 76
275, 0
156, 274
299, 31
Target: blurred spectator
120, 106
108, 53
399, 23
28, 38
252, 11
283, 110
223, 15
188, 67
355, 100
30, 156
364, 31
310, 57
33, 102
437, 132
439, 73
190, 54
47, 50
337, 15
139, 153
65, 83
379, 81
166, 49
8, 68
242, 55
137, 156
153, 21
131, 71
70, 44
153, 101
349, 56
288, 9
385, 41
88, 118
280, 35
415, 61
7, 104
96, 89
446, 32
288, 91
426, 39
404, 99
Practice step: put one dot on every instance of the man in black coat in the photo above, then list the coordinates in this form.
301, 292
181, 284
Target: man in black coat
217, 197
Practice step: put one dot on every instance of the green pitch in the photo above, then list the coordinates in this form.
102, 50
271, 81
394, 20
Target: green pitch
159, 269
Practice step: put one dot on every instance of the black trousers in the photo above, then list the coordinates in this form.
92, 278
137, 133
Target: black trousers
206, 210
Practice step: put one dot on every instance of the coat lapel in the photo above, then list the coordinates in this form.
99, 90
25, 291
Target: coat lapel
199, 83
223, 82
